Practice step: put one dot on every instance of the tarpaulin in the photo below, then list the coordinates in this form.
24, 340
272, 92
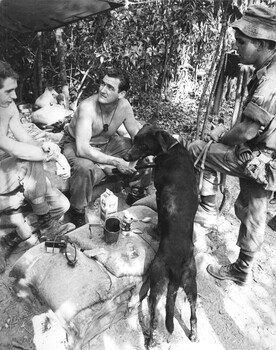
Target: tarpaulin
27, 16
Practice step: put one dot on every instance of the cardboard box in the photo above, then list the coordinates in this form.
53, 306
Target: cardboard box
109, 204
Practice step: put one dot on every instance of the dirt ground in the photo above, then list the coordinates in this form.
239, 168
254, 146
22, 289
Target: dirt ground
230, 317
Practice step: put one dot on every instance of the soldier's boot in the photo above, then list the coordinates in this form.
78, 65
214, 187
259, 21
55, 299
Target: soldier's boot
237, 271
7, 244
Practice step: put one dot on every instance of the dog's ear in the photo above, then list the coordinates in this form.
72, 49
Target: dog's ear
147, 124
162, 138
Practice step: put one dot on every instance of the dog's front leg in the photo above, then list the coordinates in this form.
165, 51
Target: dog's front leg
193, 323
192, 297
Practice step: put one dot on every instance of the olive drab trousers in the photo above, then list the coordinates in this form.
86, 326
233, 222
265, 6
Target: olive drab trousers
252, 202
24, 180
85, 173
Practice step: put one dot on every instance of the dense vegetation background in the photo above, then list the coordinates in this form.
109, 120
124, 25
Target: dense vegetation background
170, 48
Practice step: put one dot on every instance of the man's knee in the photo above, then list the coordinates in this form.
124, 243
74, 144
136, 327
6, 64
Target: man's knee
64, 205
85, 174
12, 202
122, 141
118, 146
58, 203
83, 168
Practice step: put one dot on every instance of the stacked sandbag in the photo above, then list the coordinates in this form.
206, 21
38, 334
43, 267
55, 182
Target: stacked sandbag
51, 108
90, 296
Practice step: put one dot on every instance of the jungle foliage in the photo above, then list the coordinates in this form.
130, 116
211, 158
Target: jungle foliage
165, 45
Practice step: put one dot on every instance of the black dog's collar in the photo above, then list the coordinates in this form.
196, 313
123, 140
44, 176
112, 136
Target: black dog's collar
172, 145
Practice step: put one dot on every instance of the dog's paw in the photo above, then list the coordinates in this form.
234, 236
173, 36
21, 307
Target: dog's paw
193, 337
147, 342
150, 343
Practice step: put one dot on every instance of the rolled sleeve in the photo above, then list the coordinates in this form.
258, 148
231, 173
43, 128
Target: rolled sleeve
257, 114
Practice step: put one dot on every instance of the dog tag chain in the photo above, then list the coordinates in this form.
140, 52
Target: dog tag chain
105, 125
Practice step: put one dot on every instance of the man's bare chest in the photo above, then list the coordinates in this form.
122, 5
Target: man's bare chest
105, 127
4, 125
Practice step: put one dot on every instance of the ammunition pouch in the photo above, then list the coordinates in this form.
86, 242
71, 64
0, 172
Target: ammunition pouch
262, 169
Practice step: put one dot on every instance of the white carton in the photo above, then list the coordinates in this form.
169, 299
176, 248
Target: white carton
109, 204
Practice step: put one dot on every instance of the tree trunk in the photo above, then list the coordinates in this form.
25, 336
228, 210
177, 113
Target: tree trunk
208, 79
219, 89
61, 57
219, 72
240, 94
219, 51
39, 67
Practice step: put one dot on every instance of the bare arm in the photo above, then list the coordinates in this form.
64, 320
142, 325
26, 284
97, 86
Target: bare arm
18, 130
22, 150
84, 126
130, 122
24, 146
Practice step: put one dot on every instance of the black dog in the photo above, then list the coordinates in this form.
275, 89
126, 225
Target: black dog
177, 201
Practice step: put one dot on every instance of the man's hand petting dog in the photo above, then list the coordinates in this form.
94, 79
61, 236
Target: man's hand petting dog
123, 167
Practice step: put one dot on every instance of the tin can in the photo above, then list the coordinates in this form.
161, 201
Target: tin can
126, 225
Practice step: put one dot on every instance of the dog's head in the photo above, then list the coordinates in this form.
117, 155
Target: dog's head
149, 141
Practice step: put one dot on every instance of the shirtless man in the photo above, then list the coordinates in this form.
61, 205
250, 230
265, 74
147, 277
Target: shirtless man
91, 142
22, 175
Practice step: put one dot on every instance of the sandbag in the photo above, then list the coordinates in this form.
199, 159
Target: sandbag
49, 115
87, 299
148, 201
55, 281
133, 252
84, 298
48, 98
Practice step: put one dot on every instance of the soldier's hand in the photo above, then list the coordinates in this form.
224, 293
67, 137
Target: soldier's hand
243, 153
217, 132
52, 150
124, 168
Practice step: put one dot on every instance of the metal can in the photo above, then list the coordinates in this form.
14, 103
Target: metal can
126, 226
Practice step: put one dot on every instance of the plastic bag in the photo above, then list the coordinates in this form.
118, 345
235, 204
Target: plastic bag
50, 115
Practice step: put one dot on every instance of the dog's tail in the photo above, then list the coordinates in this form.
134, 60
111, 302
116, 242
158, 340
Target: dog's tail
170, 302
